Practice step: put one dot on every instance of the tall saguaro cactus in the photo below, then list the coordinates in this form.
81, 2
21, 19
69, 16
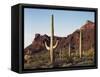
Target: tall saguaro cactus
80, 45
69, 50
52, 46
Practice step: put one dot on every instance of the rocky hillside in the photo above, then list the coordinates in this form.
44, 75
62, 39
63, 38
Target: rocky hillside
88, 30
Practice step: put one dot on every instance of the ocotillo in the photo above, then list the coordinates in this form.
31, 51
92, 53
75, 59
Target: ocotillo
52, 46
80, 45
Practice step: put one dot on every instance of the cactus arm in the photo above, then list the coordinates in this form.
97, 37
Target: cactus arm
55, 45
48, 48
51, 41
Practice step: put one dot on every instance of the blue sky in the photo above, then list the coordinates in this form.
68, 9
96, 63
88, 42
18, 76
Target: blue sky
65, 22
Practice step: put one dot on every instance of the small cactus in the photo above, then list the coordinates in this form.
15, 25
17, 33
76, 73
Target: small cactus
60, 54
69, 50
52, 46
80, 44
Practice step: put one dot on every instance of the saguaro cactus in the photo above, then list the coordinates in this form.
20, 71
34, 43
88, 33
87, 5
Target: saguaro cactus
69, 50
60, 54
52, 46
80, 45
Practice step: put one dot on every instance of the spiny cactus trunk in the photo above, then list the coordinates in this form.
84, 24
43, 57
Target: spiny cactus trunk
51, 39
69, 50
80, 45
52, 46
60, 54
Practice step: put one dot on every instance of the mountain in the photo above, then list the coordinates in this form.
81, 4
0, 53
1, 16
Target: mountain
87, 30
88, 25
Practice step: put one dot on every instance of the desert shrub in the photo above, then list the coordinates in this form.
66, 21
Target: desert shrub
62, 59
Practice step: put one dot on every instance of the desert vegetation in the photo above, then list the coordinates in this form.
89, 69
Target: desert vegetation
61, 59
77, 49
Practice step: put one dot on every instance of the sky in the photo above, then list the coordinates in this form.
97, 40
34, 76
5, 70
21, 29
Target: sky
65, 22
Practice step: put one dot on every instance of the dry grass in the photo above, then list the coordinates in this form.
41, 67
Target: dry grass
62, 59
